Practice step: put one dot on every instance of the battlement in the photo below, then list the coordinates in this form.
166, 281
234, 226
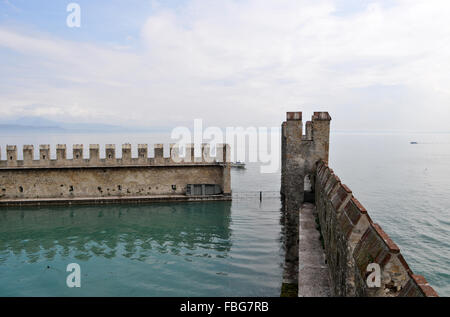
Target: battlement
176, 156
300, 152
323, 116
95, 179
313, 129
352, 241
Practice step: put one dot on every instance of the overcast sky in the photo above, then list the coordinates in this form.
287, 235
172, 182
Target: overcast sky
372, 64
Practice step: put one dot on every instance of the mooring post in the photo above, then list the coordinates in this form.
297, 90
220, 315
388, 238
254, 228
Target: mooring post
260, 196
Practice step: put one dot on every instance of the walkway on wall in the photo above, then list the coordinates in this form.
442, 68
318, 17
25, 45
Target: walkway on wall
313, 274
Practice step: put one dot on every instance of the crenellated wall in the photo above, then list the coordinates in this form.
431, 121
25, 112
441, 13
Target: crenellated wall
300, 151
352, 241
94, 160
67, 180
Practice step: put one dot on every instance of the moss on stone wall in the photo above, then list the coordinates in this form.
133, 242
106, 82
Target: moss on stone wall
289, 290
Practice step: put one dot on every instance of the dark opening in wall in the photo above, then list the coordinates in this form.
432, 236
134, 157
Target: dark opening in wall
203, 189
71, 188
21, 189
10, 158
174, 187
119, 187
307, 183
308, 190
43, 157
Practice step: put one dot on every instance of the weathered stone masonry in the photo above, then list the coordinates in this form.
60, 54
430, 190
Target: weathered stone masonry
300, 151
111, 179
351, 239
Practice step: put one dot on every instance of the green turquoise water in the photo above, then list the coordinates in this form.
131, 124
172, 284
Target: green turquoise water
178, 249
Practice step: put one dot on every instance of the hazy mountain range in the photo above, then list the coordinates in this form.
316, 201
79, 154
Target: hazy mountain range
35, 124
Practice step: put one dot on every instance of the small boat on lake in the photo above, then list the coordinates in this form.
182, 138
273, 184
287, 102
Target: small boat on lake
238, 164
413, 142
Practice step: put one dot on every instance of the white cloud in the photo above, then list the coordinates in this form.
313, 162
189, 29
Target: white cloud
248, 62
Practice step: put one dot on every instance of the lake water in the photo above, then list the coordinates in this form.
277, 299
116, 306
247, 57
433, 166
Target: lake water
223, 248
406, 189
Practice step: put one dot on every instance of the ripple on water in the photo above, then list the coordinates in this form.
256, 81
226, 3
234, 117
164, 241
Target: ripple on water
208, 249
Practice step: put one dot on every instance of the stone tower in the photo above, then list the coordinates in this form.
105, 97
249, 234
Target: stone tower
300, 152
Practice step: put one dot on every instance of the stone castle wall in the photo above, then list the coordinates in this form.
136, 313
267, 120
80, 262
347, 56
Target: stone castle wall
95, 177
352, 241
300, 152
350, 238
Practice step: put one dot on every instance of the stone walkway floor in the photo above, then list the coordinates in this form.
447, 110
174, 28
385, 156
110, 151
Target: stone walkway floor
313, 275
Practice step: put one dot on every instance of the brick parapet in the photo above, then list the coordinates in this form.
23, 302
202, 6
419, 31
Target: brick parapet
352, 241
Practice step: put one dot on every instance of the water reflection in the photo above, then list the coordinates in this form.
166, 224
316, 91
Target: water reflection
132, 231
